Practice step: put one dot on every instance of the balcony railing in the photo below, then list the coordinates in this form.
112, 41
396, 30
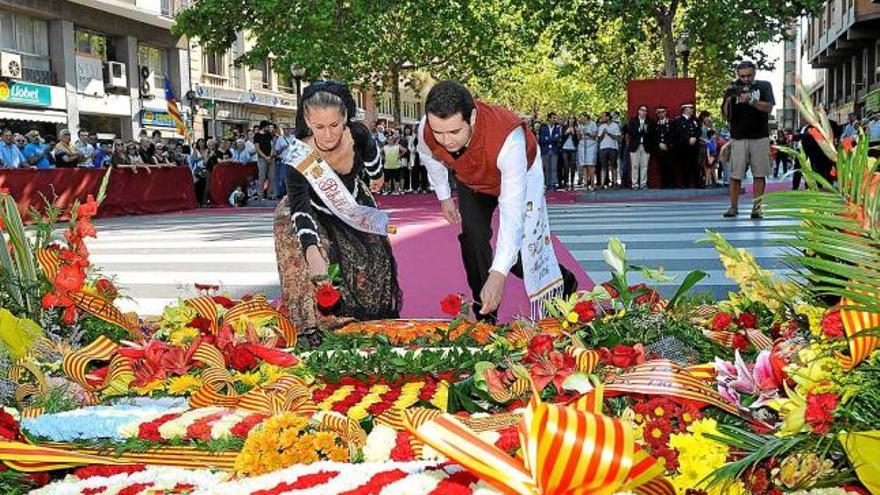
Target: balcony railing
216, 80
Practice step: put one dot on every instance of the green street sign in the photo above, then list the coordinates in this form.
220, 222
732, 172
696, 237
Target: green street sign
872, 102
22, 93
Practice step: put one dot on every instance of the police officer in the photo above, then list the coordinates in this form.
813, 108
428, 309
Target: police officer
686, 131
663, 147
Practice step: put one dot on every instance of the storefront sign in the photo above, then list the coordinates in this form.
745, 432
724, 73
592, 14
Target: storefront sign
22, 93
872, 102
250, 97
157, 119
89, 75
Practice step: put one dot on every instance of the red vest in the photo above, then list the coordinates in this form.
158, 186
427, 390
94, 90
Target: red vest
478, 165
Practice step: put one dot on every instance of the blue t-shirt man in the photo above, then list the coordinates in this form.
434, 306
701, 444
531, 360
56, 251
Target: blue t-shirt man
11, 156
37, 149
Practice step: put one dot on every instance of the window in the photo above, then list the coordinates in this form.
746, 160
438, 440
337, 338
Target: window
89, 43
384, 104
29, 37
260, 75
214, 63
154, 58
358, 97
285, 82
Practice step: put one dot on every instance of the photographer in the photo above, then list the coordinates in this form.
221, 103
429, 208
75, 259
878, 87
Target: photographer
747, 106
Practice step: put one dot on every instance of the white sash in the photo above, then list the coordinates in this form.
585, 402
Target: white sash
333, 192
541, 274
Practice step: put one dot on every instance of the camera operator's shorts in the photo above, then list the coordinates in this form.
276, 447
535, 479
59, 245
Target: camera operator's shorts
754, 153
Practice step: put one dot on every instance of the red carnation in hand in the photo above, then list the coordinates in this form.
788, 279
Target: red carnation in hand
327, 296
819, 411
832, 325
721, 321
747, 320
740, 342
451, 305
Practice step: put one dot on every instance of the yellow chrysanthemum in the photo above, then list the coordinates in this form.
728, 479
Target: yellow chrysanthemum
149, 388
184, 336
251, 379
440, 399
182, 385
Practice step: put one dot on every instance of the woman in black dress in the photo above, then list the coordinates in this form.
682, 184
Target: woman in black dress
309, 238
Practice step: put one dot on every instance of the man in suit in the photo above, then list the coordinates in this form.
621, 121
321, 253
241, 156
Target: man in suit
640, 131
686, 131
663, 146
549, 136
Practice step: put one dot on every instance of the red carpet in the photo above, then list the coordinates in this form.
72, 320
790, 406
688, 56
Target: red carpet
429, 259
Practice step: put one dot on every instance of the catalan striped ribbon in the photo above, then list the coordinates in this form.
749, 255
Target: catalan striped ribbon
206, 307
186, 457
518, 389
75, 364
49, 259
521, 335
585, 359
34, 458
30, 379
567, 450
862, 331
258, 307
663, 377
105, 310
348, 430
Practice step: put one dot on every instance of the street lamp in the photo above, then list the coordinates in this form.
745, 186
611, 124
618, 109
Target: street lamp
297, 78
684, 52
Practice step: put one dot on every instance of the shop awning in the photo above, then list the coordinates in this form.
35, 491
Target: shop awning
53, 116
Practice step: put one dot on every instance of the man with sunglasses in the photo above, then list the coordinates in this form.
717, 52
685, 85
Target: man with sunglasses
10, 154
747, 106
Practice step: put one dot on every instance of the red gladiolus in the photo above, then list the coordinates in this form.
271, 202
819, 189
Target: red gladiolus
820, 408
327, 296
70, 278
69, 315
847, 143
88, 209
84, 228
816, 134
721, 321
451, 305
747, 321
832, 325
50, 300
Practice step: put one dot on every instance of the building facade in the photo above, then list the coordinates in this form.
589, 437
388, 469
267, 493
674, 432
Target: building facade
842, 44
98, 65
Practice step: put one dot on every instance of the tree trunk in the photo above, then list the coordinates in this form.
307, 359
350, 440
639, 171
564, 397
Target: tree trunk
395, 94
669, 55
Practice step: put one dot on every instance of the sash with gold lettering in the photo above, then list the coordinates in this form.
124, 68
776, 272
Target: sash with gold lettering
541, 274
333, 192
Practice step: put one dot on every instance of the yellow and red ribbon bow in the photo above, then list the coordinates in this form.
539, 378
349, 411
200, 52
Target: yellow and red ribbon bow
860, 346
567, 450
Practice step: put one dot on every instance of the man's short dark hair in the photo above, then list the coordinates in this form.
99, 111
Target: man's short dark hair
745, 64
643, 105
448, 98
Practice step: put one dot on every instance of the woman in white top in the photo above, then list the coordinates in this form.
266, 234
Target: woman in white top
587, 150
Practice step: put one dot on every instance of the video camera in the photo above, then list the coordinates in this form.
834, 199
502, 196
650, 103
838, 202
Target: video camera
739, 87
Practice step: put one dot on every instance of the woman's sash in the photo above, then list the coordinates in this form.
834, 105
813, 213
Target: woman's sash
332, 191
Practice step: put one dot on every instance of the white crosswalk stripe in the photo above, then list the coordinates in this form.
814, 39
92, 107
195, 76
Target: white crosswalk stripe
156, 259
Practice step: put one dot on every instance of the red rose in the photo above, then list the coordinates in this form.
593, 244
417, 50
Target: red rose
451, 305
819, 415
106, 288
327, 296
586, 311
832, 325
541, 345
70, 278
624, 356
740, 341
747, 321
721, 321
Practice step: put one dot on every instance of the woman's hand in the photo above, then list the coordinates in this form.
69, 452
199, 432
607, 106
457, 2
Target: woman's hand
317, 263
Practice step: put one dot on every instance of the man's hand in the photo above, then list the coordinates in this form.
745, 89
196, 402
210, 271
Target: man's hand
492, 291
376, 185
663, 147
742, 98
450, 211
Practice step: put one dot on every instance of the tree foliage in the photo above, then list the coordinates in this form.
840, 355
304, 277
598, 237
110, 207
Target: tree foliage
372, 42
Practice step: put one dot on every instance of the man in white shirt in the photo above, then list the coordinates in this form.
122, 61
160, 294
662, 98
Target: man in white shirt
490, 152
85, 149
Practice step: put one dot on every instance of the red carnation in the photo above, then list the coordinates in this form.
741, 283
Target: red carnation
451, 305
541, 345
327, 296
832, 325
721, 321
200, 323
820, 408
747, 321
586, 311
740, 341
402, 450
242, 359
509, 440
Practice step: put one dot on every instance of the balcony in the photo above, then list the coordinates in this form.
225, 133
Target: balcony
849, 33
216, 80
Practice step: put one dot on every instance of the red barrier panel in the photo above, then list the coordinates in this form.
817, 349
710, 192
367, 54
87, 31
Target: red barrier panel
128, 193
227, 176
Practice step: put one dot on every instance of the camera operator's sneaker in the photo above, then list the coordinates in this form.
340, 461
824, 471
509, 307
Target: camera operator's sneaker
731, 213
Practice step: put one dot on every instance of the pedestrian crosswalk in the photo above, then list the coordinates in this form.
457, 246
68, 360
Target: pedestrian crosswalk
157, 259
664, 235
